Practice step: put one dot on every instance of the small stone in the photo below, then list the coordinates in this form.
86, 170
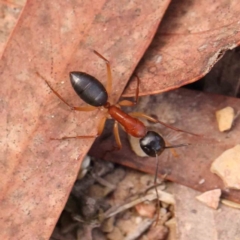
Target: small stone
210, 198
225, 118
201, 181
227, 166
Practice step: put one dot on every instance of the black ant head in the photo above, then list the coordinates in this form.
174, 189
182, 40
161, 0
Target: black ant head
152, 144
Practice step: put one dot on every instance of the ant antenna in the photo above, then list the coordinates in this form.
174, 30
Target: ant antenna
153, 145
179, 145
155, 183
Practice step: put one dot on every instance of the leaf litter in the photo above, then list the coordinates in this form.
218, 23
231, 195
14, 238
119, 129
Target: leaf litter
217, 53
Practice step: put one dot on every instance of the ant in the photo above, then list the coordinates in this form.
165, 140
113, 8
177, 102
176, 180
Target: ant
92, 91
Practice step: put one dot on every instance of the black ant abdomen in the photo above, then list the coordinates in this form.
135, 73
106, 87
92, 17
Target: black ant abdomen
89, 89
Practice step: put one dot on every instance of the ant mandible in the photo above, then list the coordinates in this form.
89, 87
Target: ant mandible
92, 91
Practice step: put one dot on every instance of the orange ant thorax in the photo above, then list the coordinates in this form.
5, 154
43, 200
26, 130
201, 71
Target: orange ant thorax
131, 125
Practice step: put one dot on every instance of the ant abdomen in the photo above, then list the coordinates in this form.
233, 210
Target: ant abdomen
89, 89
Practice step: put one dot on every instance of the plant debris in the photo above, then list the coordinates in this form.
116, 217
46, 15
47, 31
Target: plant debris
124, 212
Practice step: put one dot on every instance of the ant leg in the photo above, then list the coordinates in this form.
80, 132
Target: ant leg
174, 153
99, 132
86, 108
109, 73
143, 115
117, 137
132, 103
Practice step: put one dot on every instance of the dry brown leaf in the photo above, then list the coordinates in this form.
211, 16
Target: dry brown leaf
191, 38
9, 13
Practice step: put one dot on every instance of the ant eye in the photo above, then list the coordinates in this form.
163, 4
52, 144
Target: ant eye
152, 144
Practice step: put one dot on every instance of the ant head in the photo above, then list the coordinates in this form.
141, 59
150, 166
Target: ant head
152, 144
